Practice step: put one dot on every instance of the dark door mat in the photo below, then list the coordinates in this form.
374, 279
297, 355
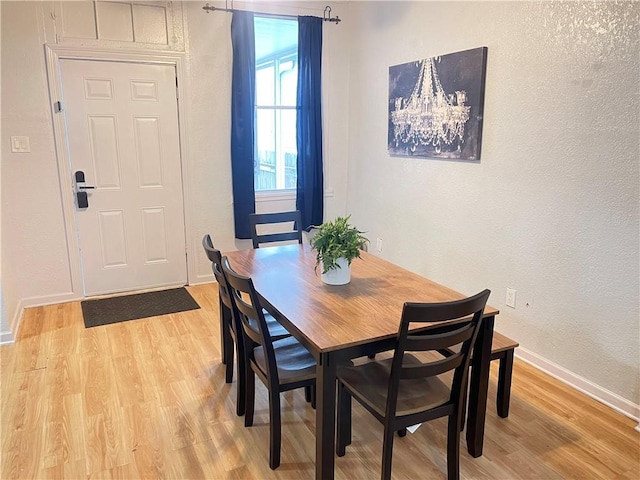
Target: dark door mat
131, 307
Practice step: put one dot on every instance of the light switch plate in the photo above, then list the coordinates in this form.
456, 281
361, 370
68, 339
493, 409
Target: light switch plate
511, 298
20, 144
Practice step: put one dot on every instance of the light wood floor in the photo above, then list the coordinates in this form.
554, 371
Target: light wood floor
147, 399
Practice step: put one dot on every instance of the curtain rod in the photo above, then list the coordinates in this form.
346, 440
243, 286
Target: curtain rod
326, 16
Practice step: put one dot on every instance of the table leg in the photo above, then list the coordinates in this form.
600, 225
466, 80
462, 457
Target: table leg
325, 417
480, 366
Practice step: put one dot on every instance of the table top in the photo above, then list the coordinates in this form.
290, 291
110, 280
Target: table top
335, 317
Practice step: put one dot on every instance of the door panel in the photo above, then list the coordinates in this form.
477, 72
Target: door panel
104, 151
154, 233
113, 243
122, 129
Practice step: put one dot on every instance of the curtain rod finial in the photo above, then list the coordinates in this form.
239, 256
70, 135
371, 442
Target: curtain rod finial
327, 15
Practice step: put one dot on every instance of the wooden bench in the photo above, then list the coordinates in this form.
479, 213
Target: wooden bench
502, 348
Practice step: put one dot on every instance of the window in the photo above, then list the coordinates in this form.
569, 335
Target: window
276, 90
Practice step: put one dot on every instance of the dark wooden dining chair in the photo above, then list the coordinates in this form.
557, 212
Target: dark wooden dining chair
281, 364
295, 233
227, 333
226, 341
407, 389
276, 330
235, 332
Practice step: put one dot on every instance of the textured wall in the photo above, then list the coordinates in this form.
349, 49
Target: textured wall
552, 207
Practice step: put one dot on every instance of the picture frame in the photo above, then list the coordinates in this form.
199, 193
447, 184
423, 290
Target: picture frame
436, 106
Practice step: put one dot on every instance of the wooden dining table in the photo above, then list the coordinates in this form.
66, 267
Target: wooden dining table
338, 323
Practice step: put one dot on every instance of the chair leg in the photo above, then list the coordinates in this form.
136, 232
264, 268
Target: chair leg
275, 429
453, 447
387, 452
250, 395
307, 394
228, 377
313, 396
463, 404
222, 308
505, 372
344, 420
241, 386
227, 342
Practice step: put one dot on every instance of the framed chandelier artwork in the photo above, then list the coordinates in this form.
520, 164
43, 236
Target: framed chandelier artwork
436, 106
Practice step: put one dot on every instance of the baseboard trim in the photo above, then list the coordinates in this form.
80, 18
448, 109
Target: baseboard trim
9, 336
6, 337
200, 279
581, 384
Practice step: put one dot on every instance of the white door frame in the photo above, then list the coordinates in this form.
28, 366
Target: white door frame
54, 53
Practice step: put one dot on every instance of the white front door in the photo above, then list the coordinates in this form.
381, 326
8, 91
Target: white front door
122, 130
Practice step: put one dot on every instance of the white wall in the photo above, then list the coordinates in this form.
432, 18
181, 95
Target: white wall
4, 323
36, 265
552, 207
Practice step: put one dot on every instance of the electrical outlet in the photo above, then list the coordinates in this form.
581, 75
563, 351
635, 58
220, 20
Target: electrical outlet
511, 298
379, 244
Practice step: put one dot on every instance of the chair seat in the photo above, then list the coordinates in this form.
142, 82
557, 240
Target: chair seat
371, 382
294, 362
276, 330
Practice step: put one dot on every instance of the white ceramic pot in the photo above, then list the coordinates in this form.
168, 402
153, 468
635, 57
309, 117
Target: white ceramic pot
340, 275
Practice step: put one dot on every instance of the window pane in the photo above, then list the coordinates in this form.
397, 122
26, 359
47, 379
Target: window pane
288, 145
265, 85
288, 83
275, 36
264, 172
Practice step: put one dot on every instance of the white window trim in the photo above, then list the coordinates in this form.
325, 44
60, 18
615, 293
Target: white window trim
275, 195
279, 195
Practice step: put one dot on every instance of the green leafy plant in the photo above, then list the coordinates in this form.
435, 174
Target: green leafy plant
337, 239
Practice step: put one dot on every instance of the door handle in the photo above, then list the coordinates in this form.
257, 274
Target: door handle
82, 198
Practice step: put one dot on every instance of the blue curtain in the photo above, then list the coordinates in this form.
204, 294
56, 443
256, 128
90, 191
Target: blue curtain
242, 120
310, 188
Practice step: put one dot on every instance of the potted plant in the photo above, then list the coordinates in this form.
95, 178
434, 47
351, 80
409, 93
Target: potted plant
337, 243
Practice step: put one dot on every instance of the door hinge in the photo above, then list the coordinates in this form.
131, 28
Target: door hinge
177, 90
57, 107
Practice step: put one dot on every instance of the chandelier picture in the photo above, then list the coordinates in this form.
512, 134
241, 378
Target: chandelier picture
429, 115
435, 106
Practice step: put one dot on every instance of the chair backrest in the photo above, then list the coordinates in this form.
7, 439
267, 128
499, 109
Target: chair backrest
256, 219
213, 254
224, 290
463, 319
251, 317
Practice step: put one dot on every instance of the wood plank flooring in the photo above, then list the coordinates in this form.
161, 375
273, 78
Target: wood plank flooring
147, 399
